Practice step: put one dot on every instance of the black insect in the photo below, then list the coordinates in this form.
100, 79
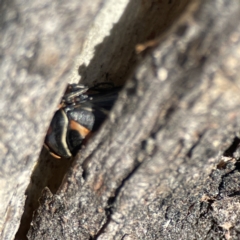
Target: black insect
82, 111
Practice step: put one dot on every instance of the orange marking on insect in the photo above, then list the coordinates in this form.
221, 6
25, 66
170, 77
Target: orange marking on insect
78, 127
60, 105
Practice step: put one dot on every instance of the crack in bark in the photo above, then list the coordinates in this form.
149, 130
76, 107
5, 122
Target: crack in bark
112, 200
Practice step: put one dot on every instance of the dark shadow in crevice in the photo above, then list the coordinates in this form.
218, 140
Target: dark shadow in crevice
234, 146
237, 164
115, 58
227, 165
48, 172
237, 193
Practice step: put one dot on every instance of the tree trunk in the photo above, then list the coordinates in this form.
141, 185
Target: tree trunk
165, 165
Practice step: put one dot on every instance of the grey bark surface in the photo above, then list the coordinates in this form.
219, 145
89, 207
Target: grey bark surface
165, 165
35, 62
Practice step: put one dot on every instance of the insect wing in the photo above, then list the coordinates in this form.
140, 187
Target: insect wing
104, 98
57, 134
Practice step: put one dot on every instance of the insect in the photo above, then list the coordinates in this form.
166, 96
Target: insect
81, 112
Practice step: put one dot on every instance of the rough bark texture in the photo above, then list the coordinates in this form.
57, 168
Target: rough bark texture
35, 62
165, 165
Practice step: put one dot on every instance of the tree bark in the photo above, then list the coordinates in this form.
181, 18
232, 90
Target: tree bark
38, 43
165, 165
